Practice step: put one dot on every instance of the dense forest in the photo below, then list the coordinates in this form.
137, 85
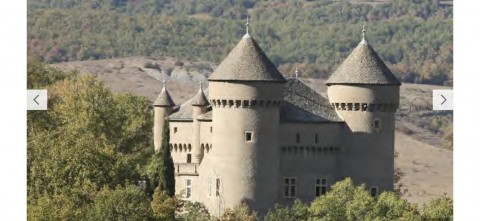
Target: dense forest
414, 37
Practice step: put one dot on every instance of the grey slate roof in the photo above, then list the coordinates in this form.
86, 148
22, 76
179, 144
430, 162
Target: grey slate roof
247, 62
301, 104
184, 112
200, 99
205, 117
363, 66
164, 99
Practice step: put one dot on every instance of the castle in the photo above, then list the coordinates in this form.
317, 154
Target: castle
255, 137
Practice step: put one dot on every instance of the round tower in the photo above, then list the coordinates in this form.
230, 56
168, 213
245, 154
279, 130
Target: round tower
200, 104
365, 94
163, 107
246, 92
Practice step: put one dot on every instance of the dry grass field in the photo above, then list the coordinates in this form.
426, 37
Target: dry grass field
428, 168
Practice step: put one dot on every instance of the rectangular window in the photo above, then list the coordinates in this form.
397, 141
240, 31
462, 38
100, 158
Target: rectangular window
321, 186
188, 188
316, 138
377, 123
298, 137
290, 190
211, 129
175, 129
209, 186
248, 136
217, 187
189, 158
374, 191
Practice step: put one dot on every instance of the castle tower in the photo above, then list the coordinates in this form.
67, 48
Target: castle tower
163, 106
365, 94
200, 105
246, 92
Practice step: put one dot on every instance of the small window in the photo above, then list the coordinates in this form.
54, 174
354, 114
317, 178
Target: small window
217, 187
209, 186
211, 129
189, 158
298, 137
248, 136
377, 123
290, 186
321, 186
175, 130
316, 138
374, 191
188, 188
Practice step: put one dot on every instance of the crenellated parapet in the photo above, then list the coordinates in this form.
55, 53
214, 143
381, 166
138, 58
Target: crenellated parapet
310, 150
229, 103
187, 148
371, 107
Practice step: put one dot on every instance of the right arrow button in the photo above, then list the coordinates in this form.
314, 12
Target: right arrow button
442, 99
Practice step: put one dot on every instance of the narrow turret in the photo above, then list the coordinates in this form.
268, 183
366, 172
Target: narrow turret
163, 107
200, 105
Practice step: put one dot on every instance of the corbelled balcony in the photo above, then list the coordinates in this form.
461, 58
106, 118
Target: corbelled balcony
186, 169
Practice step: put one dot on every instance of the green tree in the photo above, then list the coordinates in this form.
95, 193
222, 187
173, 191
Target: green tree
343, 202
389, 206
448, 137
238, 213
64, 206
440, 208
164, 206
167, 172
194, 211
89, 139
123, 203
298, 211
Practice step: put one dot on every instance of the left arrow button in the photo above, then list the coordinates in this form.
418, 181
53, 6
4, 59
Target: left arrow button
37, 99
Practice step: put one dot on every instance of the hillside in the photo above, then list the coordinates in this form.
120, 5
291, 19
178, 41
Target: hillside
428, 169
414, 37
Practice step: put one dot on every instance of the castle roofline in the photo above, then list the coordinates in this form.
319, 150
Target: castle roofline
200, 99
164, 99
363, 67
247, 63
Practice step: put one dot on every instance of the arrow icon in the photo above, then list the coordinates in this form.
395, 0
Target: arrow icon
444, 99
35, 99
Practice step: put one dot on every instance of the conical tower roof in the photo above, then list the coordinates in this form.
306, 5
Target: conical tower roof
200, 99
164, 99
363, 66
247, 62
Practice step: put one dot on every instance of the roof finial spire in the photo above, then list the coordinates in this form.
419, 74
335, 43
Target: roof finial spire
364, 41
296, 71
200, 85
247, 24
164, 84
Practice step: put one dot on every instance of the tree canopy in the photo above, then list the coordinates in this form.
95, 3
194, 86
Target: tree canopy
415, 38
